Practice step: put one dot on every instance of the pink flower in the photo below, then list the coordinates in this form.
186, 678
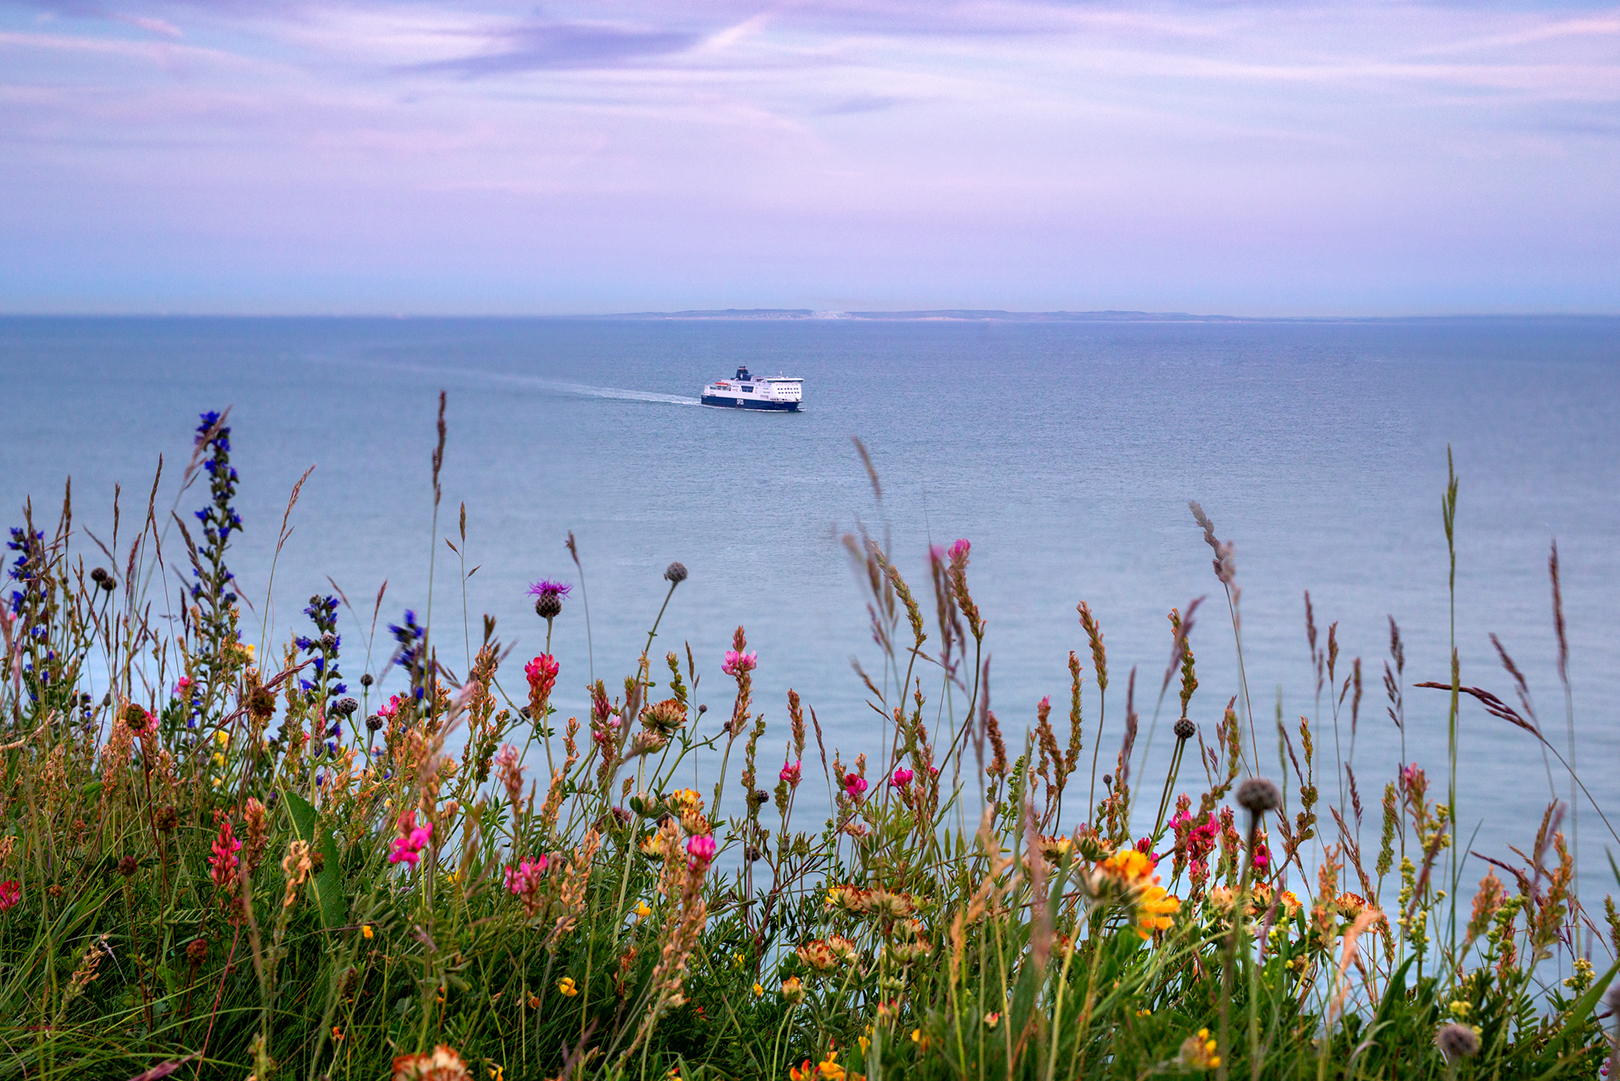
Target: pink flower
525, 877
701, 849
959, 551
183, 688
10, 894
542, 673
790, 774
901, 778
411, 841
854, 784
547, 588
737, 663
222, 864
391, 708
141, 721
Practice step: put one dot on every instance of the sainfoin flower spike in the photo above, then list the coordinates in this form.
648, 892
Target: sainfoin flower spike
222, 864
10, 894
901, 778
701, 849
737, 663
791, 773
411, 841
854, 784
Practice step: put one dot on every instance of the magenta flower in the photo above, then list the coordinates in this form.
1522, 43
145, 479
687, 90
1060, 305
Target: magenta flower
854, 784
547, 588
701, 849
959, 550
542, 674
525, 877
10, 894
411, 841
790, 774
222, 864
738, 663
901, 778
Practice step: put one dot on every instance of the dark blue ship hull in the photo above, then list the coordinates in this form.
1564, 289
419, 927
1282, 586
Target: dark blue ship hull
750, 403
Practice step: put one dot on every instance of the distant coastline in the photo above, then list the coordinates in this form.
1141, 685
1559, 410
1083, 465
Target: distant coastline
977, 315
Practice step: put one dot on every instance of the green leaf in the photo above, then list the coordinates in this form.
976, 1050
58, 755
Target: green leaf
1559, 1055
328, 882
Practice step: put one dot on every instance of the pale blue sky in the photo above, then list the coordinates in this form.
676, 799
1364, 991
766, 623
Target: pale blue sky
322, 156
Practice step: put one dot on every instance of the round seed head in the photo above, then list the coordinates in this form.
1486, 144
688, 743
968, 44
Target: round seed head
128, 865
548, 606
366, 680
98, 574
166, 819
1457, 1042
374, 722
1258, 795
675, 572
197, 951
109, 583
1185, 729
345, 706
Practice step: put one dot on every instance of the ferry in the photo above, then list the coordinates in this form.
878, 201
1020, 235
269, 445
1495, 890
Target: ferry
744, 391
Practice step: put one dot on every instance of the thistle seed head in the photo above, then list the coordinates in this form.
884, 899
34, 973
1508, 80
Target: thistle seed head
1258, 795
1184, 729
675, 573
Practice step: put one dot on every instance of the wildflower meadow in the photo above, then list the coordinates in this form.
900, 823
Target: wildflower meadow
239, 859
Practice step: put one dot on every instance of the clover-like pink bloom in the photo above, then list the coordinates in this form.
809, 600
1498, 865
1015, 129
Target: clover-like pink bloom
901, 778
790, 774
10, 894
411, 841
701, 849
222, 864
542, 673
959, 550
525, 877
854, 784
737, 663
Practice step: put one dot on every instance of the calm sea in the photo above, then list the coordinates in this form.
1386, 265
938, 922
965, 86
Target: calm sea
1066, 452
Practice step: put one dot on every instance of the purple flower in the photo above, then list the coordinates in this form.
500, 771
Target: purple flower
547, 588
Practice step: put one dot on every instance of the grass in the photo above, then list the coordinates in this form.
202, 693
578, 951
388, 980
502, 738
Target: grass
226, 861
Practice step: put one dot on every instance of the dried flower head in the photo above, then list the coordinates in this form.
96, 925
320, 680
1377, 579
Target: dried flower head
1185, 729
1258, 795
1457, 1042
675, 573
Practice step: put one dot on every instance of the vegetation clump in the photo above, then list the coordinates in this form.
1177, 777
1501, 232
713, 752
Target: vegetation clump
215, 859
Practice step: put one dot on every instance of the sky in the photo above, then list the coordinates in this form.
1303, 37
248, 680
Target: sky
480, 157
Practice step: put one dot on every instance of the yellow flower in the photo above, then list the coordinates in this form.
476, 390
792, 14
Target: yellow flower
218, 782
829, 1068
991, 1018
1198, 1052
496, 1073
642, 910
920, 1038
566, 986
759, 989
1144, 1013
864, 1042
219, 759
1154, 909
793, 990
337, 1034
223, 738
365, 931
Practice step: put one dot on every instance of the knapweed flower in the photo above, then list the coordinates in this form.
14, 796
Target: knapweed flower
791, 773
901, 778
444, 1064
567, 987
412, 839
10, 894
793, 990
701, 851
737, 663
1198, 1052
222, 864
548, 597
854, 784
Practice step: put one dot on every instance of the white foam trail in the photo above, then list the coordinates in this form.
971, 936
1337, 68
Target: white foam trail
538, 383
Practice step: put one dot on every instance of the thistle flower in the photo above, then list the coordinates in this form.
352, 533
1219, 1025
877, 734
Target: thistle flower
548, 597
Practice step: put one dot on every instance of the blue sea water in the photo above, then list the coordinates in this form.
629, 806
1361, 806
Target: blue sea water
1066, 452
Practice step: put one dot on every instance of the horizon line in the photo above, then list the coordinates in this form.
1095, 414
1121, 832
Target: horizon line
963, 315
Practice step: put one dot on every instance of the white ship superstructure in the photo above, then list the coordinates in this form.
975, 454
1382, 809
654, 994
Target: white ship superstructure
744, 391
